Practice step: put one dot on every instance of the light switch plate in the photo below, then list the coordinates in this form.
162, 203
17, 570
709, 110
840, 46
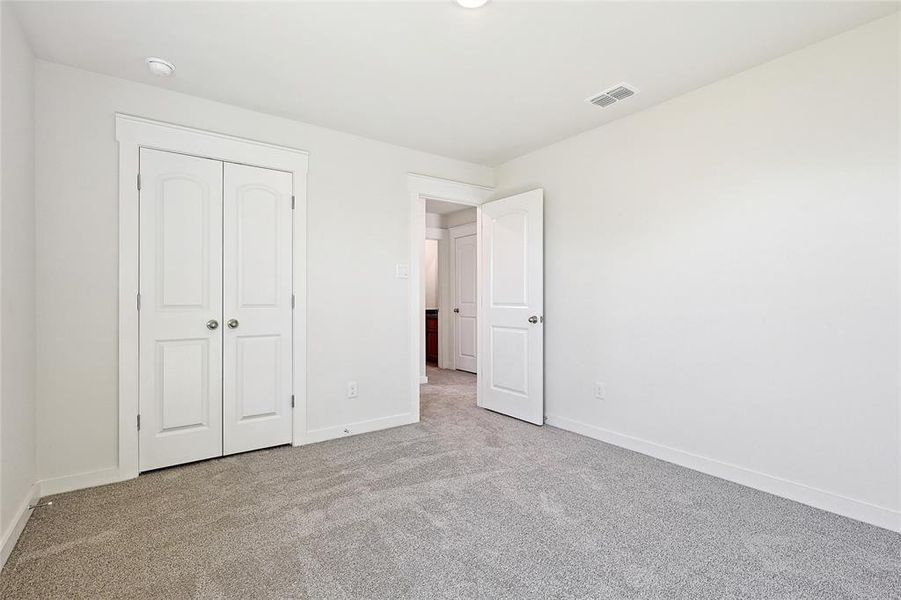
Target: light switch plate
402, 271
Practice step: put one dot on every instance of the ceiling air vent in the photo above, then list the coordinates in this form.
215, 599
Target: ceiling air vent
612, 96
602, 100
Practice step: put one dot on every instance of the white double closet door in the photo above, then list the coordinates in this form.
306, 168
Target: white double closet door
215, 308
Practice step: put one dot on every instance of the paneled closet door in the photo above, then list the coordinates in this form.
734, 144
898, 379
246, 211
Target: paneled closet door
257, 343
180, 332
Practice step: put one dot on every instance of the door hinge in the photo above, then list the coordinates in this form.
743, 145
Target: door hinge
139, 422
292, 300
139, 182
292, 201
138, 301
292, 400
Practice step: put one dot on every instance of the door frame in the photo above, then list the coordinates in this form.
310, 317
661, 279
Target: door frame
133, 133
422, 188
455, 233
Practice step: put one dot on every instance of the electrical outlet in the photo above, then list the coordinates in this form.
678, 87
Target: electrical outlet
599, 391
352, 391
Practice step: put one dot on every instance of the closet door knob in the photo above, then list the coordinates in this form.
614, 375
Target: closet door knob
212, 324
232, 323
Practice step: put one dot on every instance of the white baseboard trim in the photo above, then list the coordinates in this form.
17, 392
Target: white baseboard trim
69, 483
842, 505
423, 379
79, 481
12, 533
338, 431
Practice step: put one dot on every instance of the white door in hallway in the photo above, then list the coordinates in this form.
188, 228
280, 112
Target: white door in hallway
511, 328
180, 351
465, 297
257, 227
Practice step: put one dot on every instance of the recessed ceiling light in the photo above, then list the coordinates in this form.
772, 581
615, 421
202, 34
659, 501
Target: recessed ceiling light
472, 3
160, 67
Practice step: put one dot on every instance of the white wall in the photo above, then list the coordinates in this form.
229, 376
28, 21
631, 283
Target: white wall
359, 229
17, 348
727, 264
434, 220
452, 219
460, 217
430, 266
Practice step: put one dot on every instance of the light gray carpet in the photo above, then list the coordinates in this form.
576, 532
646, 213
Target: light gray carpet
466, 504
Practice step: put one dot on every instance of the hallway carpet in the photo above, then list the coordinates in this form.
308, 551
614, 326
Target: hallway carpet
465, 504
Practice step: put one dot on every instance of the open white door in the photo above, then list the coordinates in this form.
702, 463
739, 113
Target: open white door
511, 315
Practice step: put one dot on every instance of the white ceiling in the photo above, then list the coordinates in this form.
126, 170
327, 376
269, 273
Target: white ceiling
482, 85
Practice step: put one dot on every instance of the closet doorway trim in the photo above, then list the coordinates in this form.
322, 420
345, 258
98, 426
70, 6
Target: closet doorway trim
133, 133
